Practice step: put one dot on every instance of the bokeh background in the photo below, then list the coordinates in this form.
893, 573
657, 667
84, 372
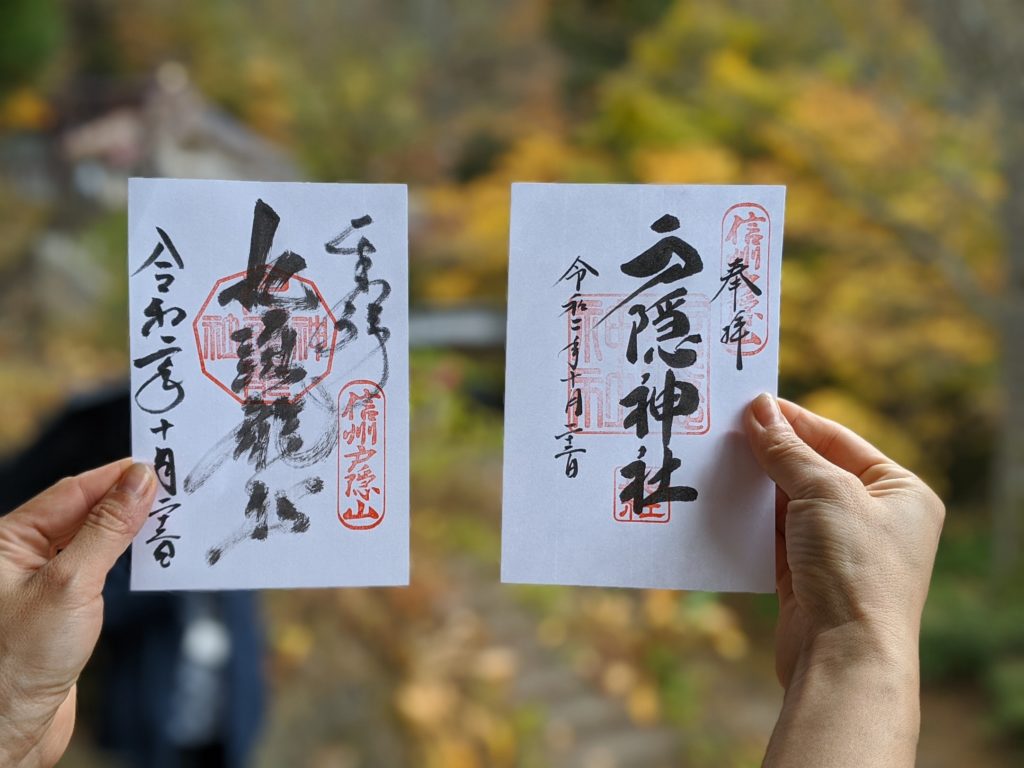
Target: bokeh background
895, 124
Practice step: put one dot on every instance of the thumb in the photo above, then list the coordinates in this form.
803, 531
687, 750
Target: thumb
108, 528
796, 468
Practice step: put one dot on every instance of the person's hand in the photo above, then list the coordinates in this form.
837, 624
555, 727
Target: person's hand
55, 552
856, 533
856, 536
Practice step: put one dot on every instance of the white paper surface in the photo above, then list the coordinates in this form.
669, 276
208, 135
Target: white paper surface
559, 529
257, 332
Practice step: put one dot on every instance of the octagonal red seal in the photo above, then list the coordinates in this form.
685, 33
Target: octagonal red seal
314, 338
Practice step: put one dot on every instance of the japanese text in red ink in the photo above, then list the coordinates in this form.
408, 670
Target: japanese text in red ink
361, 455
744, 273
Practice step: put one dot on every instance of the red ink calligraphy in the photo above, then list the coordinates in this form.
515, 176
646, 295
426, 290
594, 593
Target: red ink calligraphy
623, 511
310, 320
603, 379
362, 455
746, 248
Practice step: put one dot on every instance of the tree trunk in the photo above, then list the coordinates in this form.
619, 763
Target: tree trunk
1008, 497
982, 42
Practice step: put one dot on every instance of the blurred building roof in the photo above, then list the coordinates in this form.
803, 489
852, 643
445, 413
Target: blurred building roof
167, 130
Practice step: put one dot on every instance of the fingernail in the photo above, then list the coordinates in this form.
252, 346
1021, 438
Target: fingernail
135, 481
766, 410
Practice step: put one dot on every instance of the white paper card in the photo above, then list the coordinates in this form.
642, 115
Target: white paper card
269, 346
619, 294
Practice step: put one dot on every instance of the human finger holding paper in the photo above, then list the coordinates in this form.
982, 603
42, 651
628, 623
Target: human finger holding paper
856, 540
55, 552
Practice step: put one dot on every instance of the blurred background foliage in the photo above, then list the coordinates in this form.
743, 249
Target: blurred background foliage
895, 125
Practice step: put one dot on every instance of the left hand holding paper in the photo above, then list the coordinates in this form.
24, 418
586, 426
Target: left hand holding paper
55, 552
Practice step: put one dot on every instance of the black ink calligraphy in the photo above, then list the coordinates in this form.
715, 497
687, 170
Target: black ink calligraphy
162, 393
666, 263
744, 229
269, 381
574, 309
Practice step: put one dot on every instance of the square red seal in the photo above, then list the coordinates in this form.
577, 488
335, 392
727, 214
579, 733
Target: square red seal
604, 376
623, 512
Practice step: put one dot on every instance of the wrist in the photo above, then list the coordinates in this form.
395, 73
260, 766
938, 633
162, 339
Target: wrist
863, 646
15, 743
12, 743
853, 700
887, 674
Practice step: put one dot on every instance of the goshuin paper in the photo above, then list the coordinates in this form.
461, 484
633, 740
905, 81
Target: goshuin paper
269, 327
642, 320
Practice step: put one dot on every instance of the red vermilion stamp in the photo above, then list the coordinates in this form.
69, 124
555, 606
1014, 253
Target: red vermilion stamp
310, 320
362, 456
746, 246
623, 511
604, 376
